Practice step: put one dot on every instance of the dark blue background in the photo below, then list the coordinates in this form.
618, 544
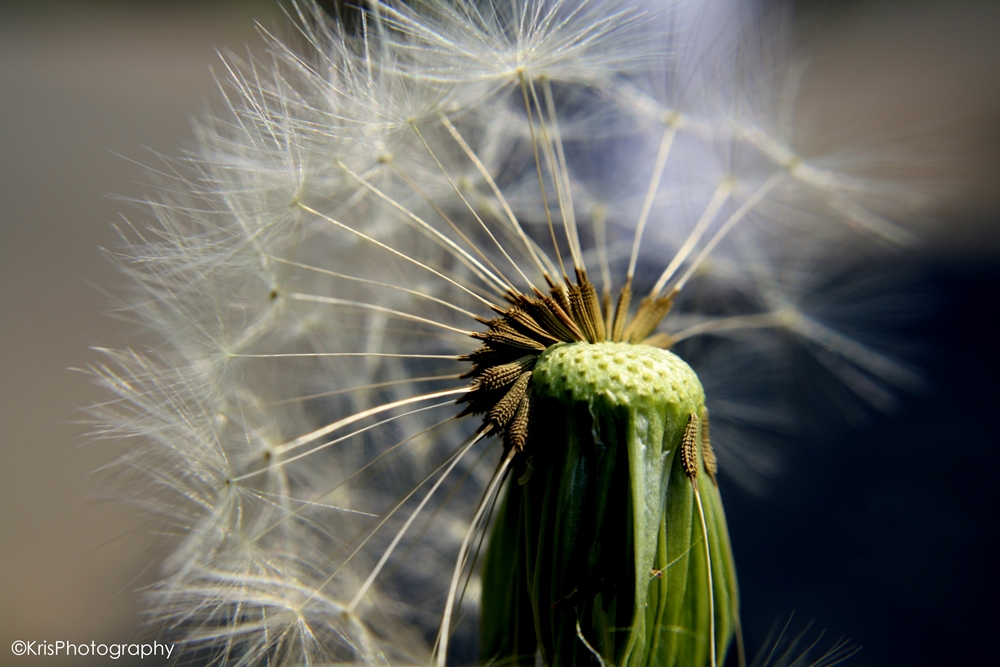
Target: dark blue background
889, 534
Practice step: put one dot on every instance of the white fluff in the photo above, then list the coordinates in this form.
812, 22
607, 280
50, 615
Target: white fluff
300, 270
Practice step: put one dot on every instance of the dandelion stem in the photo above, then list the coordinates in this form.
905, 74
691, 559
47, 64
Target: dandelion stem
708, 570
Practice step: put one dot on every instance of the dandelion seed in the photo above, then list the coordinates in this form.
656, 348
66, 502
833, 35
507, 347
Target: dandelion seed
381, 342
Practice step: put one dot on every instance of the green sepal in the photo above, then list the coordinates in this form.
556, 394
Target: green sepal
507, 619
607, 505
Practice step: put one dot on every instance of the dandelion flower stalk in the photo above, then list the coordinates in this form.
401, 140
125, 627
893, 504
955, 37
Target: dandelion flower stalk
432, 296
604, 535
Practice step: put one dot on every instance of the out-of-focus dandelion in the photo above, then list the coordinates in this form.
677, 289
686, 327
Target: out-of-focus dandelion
421, 280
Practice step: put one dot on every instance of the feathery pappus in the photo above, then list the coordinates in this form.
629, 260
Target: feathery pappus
379, 240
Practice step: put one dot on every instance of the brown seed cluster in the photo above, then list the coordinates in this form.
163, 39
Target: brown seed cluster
689, 448
512, 342
707, 453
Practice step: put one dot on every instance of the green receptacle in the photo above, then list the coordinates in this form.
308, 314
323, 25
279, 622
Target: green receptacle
598, 547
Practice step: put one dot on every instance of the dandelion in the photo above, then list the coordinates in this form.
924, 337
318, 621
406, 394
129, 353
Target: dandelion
444, 305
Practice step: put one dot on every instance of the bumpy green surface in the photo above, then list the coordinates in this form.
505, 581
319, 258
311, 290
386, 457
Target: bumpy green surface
600, 504
617, 374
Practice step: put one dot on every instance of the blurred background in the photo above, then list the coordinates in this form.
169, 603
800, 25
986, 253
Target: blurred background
886, 531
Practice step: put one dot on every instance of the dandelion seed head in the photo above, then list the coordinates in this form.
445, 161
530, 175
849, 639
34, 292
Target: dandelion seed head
352, 213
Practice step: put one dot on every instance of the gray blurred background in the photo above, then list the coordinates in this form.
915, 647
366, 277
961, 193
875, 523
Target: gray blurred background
85, 89
89, 89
